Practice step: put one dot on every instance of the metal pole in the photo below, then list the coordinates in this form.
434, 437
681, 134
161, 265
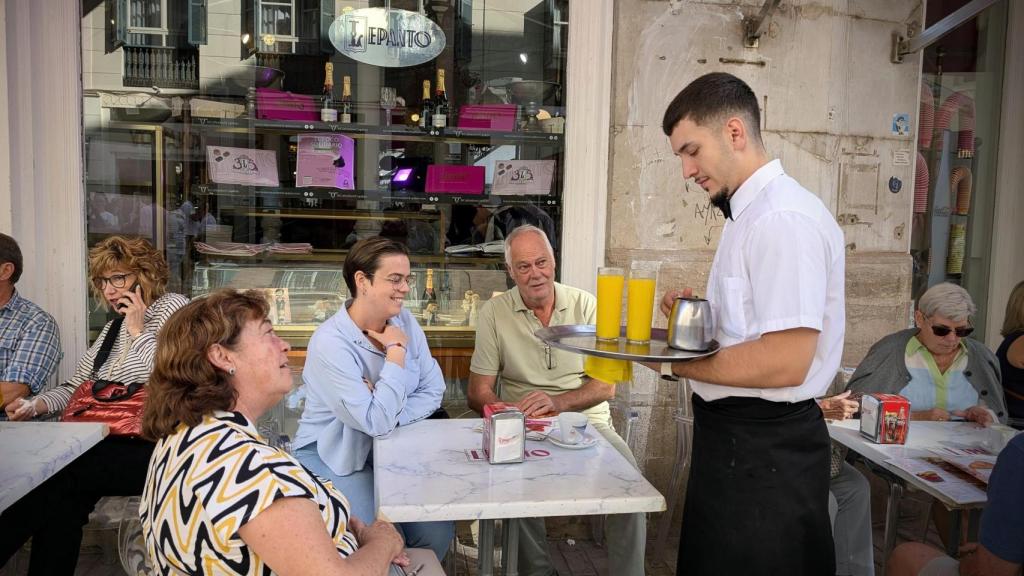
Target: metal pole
934, 33
752, 27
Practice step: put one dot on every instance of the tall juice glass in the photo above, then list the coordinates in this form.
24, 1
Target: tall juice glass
609, 302
640, 308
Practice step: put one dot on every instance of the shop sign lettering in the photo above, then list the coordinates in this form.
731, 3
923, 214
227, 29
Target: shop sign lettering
387, 38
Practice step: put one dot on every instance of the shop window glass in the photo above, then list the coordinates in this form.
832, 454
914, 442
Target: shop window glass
232, 169
958, 135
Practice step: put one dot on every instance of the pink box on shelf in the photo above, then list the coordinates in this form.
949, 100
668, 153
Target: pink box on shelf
455, 179
500, 117
325, 160
246, 166
278, 105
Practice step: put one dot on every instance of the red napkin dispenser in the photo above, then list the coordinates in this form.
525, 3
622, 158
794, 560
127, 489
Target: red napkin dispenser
504, 433
884, 418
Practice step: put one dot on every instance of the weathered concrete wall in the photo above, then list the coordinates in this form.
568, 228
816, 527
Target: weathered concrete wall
828, 95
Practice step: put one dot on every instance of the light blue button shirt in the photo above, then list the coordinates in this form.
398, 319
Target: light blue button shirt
342, 415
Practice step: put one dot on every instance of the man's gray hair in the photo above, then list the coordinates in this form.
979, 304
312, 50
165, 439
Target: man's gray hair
520, 230
947, 300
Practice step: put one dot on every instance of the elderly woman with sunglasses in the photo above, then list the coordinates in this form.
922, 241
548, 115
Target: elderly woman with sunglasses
368, 369
944, 374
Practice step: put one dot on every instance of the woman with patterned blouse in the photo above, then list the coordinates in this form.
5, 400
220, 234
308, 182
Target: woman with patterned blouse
129, 276
217, 498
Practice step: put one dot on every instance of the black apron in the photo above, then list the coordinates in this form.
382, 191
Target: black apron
757, 497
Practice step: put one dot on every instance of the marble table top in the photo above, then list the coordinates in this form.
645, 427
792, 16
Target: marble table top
31, 452
421, 473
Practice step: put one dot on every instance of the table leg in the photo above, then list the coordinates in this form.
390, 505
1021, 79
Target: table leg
953, 537
485, 549
892, 513
510, 547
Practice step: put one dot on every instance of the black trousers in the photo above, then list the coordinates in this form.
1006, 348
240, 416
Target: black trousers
757, 497
53, 513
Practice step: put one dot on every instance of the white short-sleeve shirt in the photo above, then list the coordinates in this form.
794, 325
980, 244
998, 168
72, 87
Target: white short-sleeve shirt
780, 265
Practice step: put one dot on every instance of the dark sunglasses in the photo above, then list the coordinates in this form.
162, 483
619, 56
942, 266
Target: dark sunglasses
943, 331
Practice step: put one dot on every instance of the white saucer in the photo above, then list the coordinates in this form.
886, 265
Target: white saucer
587, 442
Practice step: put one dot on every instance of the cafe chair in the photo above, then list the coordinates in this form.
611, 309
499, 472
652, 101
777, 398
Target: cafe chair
683, 417
131, 547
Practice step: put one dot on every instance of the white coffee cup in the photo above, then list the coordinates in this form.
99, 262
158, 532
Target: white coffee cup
571, 426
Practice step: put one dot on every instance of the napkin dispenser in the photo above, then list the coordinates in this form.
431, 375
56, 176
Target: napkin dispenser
504, 433
884, 418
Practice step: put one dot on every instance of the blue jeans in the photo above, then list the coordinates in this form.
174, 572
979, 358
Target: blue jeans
358, 489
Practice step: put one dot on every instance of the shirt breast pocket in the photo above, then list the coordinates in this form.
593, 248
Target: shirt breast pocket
731, 313
8, 345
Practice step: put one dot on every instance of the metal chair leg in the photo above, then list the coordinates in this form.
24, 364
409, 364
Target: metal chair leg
892, 513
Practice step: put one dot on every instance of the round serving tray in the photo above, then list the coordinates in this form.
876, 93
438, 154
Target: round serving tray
581, 338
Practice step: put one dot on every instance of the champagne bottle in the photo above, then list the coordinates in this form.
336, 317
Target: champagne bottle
346, 99
426, 107
327, 111
440, 116
429, 296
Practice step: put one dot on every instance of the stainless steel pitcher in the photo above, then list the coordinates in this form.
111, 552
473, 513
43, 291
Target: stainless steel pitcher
691, 325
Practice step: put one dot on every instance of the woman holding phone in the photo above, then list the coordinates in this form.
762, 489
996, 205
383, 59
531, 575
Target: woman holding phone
129, 276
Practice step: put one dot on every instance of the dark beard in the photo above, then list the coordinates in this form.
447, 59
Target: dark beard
720, 200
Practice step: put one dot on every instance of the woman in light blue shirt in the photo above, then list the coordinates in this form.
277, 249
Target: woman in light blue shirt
368, 369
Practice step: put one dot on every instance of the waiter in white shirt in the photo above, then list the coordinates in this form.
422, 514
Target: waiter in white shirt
757, 497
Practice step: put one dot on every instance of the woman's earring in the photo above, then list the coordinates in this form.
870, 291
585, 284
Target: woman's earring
231, 371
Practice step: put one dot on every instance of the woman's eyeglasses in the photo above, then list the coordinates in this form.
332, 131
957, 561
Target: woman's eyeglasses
117, 281
943, 331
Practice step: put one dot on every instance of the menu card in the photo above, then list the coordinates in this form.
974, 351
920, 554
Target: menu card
246, 166
944, 477
523, 177
325, 160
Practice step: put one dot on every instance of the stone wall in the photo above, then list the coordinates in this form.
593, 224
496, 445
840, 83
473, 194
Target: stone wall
828, 94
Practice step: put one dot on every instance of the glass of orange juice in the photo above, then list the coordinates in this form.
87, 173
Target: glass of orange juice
640, 309
609, 302
608, 370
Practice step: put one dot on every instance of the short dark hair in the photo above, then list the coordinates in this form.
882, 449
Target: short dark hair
10, 252
712, 97
365, 255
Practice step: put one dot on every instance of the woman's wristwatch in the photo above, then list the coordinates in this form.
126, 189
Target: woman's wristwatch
393, 345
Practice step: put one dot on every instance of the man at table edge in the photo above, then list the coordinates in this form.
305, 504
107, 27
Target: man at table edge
542, 380
29, 338
1000, 547
777, 285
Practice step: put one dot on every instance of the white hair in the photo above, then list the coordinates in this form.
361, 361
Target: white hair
524, 229
947, 300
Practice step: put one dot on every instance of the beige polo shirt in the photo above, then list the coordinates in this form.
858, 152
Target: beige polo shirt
506, 346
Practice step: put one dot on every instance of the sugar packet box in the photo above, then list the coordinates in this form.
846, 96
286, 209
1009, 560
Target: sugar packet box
504, 433
884, 418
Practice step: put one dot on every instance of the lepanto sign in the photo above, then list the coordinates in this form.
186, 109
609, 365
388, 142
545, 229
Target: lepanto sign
388, 38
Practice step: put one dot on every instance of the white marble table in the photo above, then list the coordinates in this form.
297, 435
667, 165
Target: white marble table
921, 437
31, 452
421, 473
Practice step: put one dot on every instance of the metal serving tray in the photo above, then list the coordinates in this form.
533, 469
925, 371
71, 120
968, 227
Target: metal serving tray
581, 338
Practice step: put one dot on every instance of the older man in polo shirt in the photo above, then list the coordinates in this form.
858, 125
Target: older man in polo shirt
543, 380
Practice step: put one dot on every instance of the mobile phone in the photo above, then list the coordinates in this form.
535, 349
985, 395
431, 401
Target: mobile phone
135, 286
